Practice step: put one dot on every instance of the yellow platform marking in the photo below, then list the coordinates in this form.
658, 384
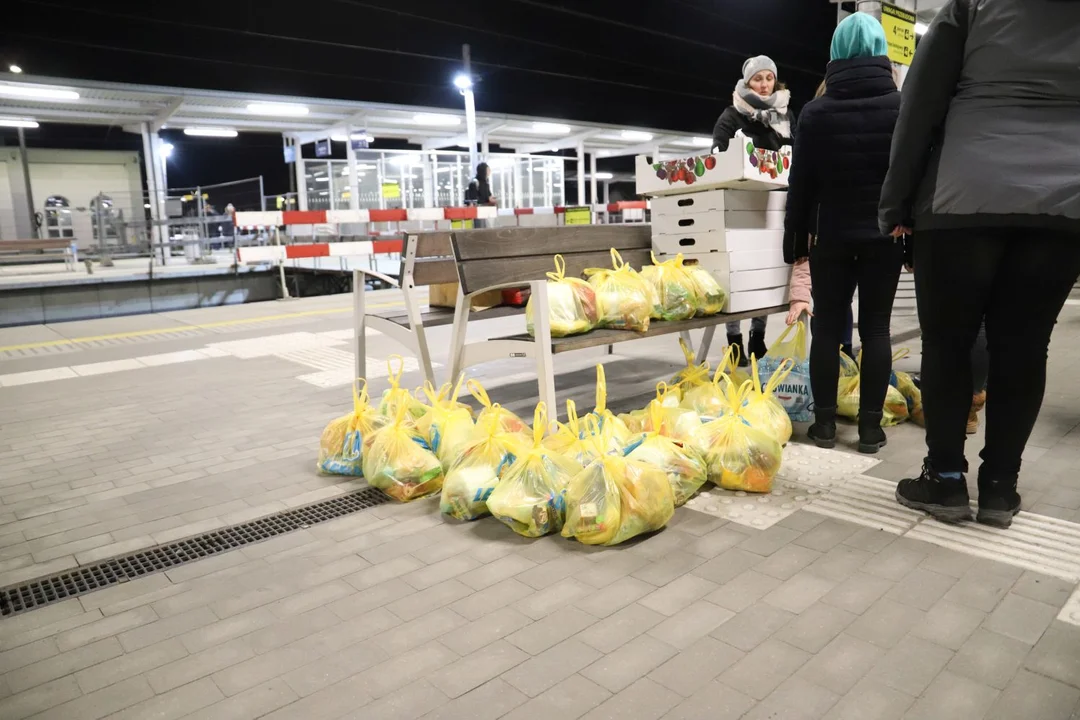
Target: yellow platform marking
182, 328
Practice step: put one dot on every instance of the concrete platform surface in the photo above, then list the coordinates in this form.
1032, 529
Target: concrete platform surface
828, 602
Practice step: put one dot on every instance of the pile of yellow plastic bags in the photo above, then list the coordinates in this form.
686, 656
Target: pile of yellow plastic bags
599, 478
622, 298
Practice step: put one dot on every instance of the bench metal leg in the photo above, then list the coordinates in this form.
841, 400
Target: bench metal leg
457, 340
545, 364
706, 343
416, 324
685, 335
359, 324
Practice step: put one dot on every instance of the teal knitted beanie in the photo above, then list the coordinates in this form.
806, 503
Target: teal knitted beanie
859, 35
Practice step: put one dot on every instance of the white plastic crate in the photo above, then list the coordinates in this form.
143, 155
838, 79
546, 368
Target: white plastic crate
742, 167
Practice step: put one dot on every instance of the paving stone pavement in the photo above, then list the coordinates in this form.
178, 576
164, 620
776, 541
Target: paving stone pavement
395, 612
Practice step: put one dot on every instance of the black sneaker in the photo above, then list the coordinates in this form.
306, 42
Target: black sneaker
741, 358
756, 348
998, 503
823, 431
944, 499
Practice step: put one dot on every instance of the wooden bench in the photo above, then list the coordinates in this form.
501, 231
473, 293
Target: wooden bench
29, 251
494, 259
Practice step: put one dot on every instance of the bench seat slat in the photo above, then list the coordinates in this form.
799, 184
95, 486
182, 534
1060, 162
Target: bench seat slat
479, 274
519, 242
598, 338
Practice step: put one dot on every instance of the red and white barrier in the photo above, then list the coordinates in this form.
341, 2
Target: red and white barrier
278, 218
276, 253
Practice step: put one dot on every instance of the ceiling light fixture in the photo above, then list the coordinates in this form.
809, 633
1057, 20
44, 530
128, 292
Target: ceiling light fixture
210, 132
33, 92
278, 109
436, 119
18, 123
14, 69
547, 128
636, 135
694, 142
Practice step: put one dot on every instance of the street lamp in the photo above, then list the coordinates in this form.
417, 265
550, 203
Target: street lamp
464, 83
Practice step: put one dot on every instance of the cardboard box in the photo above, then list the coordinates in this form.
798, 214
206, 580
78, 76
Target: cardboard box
748, 280
755, 260
756, 299
686, 223
754, 219
719, 201
742, 167
719, 241
707, 242
445, 295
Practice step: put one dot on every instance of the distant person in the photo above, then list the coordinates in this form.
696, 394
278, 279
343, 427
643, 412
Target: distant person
479, 190
839, 163
760, 110
985, 172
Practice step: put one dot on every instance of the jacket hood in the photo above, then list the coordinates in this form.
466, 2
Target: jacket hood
859, 77
858, 36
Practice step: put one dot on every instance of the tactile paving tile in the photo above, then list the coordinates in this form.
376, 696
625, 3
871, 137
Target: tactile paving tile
274, 344
867, 501
806, 475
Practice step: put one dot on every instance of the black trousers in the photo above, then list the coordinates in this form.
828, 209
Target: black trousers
1018, 279
836, 269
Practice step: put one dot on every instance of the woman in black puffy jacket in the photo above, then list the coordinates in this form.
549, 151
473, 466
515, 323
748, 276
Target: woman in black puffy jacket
838, 166
759, 109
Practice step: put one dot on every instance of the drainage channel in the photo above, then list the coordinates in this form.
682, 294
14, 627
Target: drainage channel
113, 571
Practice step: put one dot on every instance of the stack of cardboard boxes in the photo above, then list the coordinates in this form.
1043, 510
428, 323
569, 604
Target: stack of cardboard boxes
729, 218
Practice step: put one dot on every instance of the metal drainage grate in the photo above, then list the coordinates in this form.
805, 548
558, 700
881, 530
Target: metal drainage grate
79, 581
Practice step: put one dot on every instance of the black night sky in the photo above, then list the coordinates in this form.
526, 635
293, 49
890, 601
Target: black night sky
668, 64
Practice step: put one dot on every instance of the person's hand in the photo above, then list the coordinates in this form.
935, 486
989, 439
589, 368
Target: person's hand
802, 261
900, 231
796, 311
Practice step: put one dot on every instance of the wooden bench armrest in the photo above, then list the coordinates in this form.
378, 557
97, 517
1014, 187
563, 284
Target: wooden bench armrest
376, 274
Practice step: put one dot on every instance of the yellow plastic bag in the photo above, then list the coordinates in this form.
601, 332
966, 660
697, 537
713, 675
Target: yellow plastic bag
508, 421
605, 419
475, 471
572, 303
397, 396
894, 411
448, 425
570, 439
530, 496
622, 297
711, 400
675, 292
666, 416
848, 367
616, 498
342, 441
738, 455
682, 463
398, 461
710, 296
913, 395
692, 375
762, 410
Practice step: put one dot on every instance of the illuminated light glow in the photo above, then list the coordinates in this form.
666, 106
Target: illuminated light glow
37, 93
436, 119
210, 132
278, 109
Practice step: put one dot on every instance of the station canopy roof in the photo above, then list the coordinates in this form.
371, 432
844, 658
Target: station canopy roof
61, 100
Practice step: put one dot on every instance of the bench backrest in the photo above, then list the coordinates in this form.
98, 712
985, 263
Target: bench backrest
23, 245
480, 259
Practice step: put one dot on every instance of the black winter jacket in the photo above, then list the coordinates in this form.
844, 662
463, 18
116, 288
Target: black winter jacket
841, 157
763, 136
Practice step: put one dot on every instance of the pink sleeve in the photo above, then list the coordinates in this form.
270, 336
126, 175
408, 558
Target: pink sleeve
799, 286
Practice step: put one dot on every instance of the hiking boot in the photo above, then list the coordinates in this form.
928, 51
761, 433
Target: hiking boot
998, 502
944, 499
740, 350
978, 402
757, 347
823, 431
871, 435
